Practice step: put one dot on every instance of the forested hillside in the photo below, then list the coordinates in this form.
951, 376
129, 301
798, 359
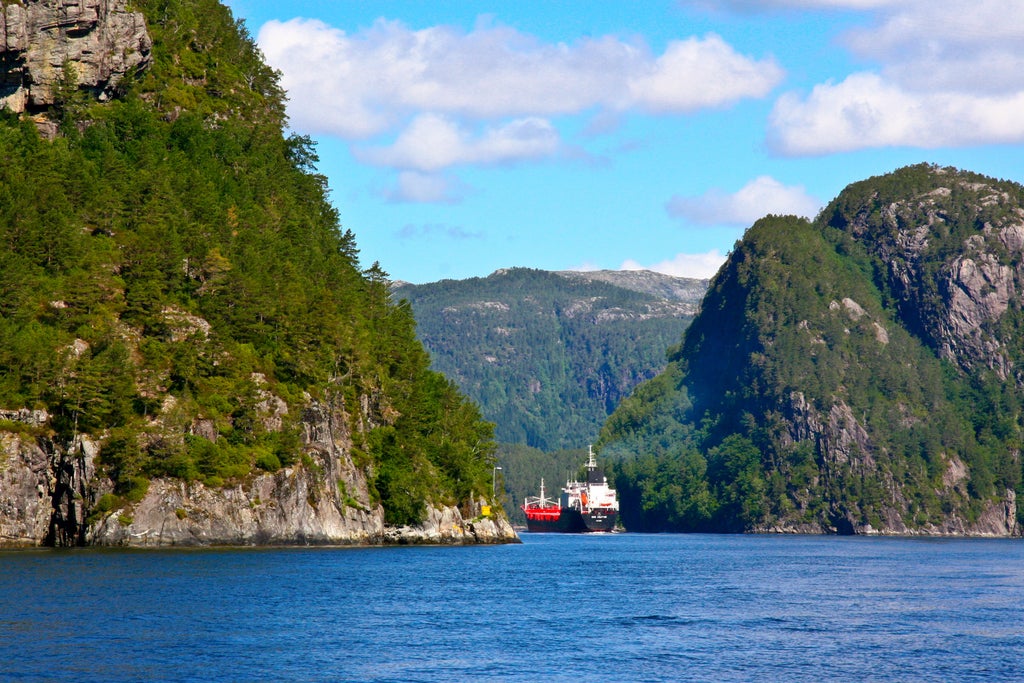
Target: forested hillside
175, 289
548, 356
857, 374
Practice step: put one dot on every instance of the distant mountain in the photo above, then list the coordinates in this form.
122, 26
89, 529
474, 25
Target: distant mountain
688, 291
863, 373
547, 355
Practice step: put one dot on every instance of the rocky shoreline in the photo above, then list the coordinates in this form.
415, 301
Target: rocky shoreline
56, 496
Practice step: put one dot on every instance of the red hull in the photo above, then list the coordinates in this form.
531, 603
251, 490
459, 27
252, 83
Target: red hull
568, 521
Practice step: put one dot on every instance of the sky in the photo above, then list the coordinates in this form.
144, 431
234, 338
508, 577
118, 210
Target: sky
460, 137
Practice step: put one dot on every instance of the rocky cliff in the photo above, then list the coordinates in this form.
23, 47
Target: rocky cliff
858, 374
47, 45
685, 291
56, 495
953, 300
190, 350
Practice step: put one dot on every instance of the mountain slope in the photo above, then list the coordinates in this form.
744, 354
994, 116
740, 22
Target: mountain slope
688, 291
190, 349
857, 374
548, 356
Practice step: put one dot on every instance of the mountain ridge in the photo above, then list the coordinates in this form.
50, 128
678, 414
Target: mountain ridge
856, 374
192, 353
548, 354
671, 287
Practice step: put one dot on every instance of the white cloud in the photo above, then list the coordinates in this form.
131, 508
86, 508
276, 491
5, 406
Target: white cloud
433, 142
865, 110
698, 73
951, 74
307, 49
701, 266
421, 101
364, 84
425, 188
971, 46
762, 196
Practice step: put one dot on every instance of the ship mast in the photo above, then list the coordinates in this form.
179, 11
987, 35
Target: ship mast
539, 501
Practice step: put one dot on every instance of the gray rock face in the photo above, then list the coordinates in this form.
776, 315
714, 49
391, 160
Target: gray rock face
952, 258
687, 291
44, 489
845, 442
295, 506
47, 491
956, 309
292, 506
100, 41
26, 486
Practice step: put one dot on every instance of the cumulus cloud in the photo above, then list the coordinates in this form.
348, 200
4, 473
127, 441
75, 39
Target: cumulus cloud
968, 46
698, 73
422, 101
865, 110
951, 74
762, 196
701, 266
432, 142
364, 84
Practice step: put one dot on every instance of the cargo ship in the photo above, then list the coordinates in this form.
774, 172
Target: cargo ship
589, 505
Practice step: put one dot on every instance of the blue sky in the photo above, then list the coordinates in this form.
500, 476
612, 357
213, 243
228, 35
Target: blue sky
463, 137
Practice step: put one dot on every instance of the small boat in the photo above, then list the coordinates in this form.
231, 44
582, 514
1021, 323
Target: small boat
583, 506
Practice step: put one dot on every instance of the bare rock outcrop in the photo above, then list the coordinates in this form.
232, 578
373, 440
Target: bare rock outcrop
289, 507
98, 43
448, 526
956, 307
26, 489
50, 495
45, 489
847, 450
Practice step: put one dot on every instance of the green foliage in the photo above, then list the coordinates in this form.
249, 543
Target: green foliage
138, 487
104, 505
175, 243
546, 357
815, 330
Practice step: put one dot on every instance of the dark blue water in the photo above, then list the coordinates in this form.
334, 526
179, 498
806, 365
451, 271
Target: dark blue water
558, 608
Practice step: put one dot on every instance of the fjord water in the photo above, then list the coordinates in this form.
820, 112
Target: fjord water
624, 607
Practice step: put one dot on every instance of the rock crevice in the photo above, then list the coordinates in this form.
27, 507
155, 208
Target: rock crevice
47, 45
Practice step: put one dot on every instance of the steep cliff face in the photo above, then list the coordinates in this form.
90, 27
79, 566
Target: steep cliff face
861, 374
54, 495
951, 256
190, 350
26, 482
49, 44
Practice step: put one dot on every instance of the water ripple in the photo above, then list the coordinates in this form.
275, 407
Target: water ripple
556, 608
